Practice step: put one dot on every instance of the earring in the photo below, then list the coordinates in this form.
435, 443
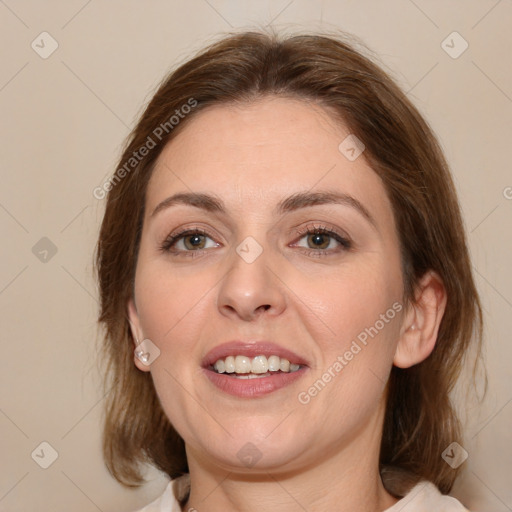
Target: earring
146, 351
139, 352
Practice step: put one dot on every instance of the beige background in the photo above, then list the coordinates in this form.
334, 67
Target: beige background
64, 120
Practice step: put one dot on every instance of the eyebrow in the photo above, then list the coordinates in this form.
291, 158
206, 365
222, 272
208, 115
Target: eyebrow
214, 204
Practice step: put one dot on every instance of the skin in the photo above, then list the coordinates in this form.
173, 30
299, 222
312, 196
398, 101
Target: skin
318, 456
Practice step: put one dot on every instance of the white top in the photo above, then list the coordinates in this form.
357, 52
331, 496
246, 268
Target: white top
423, 497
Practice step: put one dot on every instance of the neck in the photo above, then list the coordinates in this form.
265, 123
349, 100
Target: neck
345, 480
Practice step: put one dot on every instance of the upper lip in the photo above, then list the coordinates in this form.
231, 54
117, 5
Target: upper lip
251, 349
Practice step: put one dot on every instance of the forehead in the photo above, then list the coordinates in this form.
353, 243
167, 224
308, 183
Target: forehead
267, 149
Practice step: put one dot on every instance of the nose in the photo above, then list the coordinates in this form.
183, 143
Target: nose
250, 289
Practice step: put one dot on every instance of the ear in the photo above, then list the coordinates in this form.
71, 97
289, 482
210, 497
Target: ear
421, 322
137, 335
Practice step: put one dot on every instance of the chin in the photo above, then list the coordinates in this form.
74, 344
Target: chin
254, 459
257, 447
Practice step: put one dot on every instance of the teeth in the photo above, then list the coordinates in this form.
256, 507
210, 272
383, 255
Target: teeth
274, 363
258, 366
252, 376
220, 366
243, 364
284, 365
229, 364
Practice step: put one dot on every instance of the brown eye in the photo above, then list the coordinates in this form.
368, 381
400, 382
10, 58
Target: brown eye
194, 241
319, 241
190, 240
323, 241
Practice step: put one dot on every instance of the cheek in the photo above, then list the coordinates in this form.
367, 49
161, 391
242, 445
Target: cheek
172, 307
363, 315
169, 300
177, 306
352, 300
362, 310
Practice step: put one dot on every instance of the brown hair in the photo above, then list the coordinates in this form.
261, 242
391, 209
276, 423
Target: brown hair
420, 420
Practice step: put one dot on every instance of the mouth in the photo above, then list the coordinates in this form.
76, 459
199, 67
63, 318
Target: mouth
251, 370
245, 367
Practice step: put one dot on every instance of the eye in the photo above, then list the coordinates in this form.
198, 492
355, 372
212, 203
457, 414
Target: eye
319, 239
186, 241
323, 241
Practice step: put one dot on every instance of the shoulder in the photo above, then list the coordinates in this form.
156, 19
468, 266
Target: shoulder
425, 497
166, 502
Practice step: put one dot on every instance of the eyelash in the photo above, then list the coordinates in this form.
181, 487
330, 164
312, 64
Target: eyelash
172, 239
345, 243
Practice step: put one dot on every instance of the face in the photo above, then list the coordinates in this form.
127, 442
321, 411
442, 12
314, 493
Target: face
293, 256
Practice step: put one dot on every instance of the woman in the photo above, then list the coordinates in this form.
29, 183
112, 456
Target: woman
285, 288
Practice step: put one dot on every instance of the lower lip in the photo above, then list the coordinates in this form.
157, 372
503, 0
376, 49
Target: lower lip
252, 388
